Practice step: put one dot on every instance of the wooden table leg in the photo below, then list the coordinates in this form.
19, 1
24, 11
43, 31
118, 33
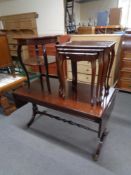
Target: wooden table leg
99, 85
111, 59
106, 65
104, 71
93, 66
100, 144
74, 74
60, 61
47, 71
19, 50
39, 66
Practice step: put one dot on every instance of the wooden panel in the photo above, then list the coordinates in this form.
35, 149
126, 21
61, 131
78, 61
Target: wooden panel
126, 63
85, 69
115, 16
127, 54
87, 63
5, 58
125, 84
85, 78
81, 77
86, 30
125, 74
50, 50
52, 68
19, 21
17, 26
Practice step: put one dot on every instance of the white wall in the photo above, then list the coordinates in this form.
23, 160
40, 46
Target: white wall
77, 13
126, 12
91, 8
51, 13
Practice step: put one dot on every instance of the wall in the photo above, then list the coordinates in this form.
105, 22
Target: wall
90, 9
126, 12
77, 13
51, 13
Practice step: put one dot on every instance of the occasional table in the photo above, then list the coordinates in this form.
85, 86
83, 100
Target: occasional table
39, 43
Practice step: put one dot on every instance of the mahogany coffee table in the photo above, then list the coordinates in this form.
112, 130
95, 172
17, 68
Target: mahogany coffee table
77, 104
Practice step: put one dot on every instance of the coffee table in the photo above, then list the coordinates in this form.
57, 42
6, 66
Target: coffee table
74, 104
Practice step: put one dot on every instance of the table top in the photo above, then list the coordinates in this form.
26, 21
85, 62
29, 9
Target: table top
78, 105
35, 39
89, 44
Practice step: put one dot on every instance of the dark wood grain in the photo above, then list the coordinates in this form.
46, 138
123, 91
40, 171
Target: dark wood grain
5, 57
77, 104
124, 82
